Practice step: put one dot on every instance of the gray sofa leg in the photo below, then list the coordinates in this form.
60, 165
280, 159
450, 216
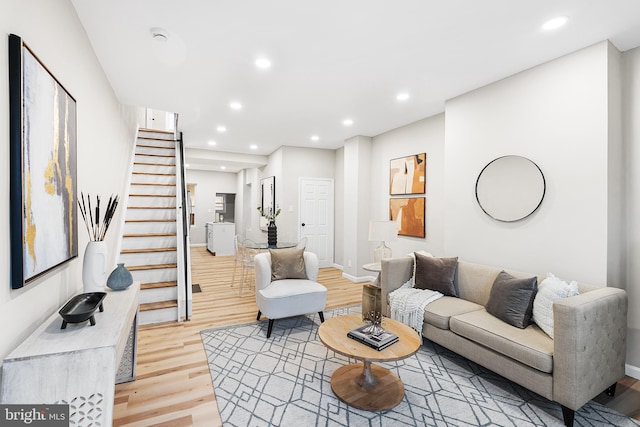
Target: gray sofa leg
321, 316
568, 415
269, 328
611, 391
259, 314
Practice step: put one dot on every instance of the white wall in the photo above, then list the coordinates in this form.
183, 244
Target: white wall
208, 183
338, 208
631, 138
555, 114
424, 136
106, 134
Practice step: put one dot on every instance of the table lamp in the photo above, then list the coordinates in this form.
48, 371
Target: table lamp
382, 231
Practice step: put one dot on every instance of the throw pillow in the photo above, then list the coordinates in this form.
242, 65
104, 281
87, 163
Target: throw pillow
287, 264
413, 257
511, 299
551, 289
436, 274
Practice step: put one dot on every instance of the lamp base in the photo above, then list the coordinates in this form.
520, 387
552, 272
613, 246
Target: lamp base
381, 252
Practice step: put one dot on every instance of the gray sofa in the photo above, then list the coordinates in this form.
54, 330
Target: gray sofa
585, 357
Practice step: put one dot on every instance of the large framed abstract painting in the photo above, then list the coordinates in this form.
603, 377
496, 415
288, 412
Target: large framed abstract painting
42, 161
408, 213
407, 175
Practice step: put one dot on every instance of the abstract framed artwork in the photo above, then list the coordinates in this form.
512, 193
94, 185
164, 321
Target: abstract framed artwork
409, 213
407, 175
43, 179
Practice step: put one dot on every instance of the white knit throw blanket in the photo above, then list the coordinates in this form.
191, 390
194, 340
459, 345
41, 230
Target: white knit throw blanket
407, 305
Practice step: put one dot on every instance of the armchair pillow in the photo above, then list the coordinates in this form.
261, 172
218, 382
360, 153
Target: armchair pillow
550, 290
287, 264
436, 274
511, 299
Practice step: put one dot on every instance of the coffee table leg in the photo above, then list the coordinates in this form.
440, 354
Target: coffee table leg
367, 386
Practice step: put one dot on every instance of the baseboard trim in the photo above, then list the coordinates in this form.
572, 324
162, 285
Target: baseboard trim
198, 244
338, 266
632, 371
357, 279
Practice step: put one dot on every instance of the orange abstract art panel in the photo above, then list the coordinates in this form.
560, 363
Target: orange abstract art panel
409, 213
407, 175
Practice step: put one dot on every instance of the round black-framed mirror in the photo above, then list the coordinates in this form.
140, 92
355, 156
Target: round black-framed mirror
510, 188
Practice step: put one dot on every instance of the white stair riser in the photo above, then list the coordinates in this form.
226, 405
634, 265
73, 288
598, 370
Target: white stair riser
162, 150
156, 135
165, 161
158, 316
154, 179
151, 258
158, 275
158, 294
149, 242
149, 227
152, 201
155, 169
151, 213
156, 190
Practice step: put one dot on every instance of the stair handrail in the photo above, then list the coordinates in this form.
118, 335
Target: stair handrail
185, 223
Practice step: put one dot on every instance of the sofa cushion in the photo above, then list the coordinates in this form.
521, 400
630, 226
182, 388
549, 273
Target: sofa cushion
438, 312
287, 264
436, 274
511, 299
530, 345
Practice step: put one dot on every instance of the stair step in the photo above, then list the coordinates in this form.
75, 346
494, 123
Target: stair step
152, 164
147, 250
169, 132
151, 207
152, 195
151, 267
155, 146
153, 184
154, 173
169, 156
157, 285
158, 305
150, 220
149, 235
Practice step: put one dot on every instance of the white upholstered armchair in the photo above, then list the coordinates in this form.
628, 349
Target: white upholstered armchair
288, 297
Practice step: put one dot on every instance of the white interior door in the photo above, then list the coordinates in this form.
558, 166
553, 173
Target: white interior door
316, 217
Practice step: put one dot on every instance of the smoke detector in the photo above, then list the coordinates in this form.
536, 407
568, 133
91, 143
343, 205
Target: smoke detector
159, 34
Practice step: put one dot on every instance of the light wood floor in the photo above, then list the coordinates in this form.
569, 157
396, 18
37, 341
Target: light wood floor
173, 386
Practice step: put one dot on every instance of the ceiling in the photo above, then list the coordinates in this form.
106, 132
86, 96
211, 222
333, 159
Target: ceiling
331, 60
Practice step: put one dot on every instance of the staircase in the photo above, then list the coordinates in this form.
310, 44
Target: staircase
150, 237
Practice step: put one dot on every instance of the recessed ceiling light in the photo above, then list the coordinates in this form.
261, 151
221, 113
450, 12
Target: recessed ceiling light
223, 167
159, 34
263, 63
347, 122
555, 23
212, 142
235, 105
253, 146
221, 129
402, 96
315, 137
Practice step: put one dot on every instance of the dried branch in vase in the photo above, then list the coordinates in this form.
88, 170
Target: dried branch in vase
96, 226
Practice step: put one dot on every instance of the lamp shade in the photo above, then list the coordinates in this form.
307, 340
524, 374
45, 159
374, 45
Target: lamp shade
383, 231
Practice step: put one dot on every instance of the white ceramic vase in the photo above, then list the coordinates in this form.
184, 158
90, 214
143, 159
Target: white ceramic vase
94, 267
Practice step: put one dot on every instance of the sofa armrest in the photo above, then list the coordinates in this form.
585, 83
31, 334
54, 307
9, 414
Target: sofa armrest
394, 273
262, 266
590, 333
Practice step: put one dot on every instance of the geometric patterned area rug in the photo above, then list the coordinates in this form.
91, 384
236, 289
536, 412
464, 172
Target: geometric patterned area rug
285, 381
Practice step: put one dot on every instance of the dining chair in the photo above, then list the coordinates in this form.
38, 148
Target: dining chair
249, 251
237, 259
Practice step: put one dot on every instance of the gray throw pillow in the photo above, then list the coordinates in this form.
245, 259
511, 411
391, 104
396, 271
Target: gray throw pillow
511, 299
436, 274
287, 264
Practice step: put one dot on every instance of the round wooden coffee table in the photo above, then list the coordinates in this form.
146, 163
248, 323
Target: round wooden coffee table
364, 385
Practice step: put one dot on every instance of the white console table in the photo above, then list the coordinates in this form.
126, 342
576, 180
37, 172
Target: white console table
79, 365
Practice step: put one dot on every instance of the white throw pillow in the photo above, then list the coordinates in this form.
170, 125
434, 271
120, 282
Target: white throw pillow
550, 290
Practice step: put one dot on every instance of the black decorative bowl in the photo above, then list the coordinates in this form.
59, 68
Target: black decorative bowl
81, 308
